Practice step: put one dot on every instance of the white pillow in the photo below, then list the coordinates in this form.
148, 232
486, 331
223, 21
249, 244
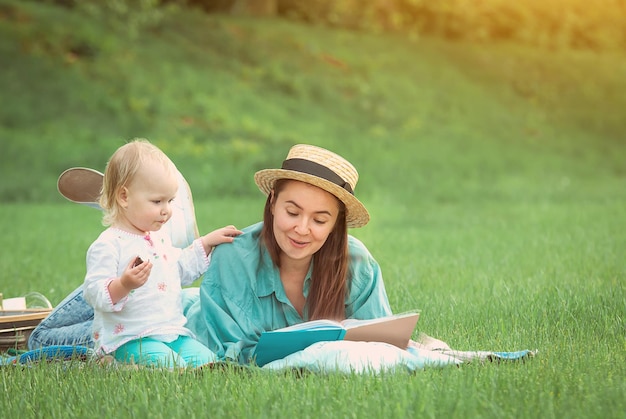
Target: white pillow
359, 357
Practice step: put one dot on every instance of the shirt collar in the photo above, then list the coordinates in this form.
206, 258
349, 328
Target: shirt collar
270, 282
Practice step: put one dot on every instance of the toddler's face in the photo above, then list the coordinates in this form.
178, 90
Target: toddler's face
148, 199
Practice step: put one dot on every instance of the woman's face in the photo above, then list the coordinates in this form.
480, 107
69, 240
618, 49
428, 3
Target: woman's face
304, 216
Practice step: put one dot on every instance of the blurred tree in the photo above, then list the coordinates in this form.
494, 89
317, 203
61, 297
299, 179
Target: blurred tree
583, 24
255, 7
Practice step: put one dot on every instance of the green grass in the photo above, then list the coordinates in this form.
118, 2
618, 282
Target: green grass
493, 173
496, 276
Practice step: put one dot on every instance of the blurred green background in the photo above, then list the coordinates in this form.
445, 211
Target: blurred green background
455, 100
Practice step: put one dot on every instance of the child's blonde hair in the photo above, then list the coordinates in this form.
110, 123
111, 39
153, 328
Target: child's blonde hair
121, 170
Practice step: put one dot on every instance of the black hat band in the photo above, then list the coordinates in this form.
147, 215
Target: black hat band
311, 168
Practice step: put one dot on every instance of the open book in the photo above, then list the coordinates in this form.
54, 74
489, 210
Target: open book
277, 344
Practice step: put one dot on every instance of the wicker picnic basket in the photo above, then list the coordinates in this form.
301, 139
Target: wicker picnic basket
17, 325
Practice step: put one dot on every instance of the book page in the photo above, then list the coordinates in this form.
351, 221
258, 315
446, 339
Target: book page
395, 330
348, 323
312, 325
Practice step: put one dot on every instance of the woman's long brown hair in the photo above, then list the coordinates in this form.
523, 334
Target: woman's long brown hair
329, 279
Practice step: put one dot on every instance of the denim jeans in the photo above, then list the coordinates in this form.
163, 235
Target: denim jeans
71, 321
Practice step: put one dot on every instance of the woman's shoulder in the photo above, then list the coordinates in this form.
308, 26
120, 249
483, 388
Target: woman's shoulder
356, 248
234, 266
362, 264
253, 229
242, 244
367, 291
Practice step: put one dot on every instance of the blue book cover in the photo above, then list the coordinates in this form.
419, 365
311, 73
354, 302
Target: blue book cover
280, 343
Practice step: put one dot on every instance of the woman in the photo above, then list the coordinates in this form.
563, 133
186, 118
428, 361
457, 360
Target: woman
299, 264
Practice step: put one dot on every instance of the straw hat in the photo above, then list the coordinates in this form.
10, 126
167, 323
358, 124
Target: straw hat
321, 168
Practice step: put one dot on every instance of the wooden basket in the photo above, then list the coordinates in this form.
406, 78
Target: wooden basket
17, 325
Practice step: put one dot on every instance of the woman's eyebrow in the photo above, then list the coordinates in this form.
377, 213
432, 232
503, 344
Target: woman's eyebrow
293, 203
299, 207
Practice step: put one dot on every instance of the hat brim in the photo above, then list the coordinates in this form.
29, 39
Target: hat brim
356, 213
81, 185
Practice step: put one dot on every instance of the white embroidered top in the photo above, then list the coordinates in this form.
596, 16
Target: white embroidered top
153, 309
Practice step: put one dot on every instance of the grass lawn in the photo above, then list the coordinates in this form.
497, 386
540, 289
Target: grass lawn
494, 175
491, 276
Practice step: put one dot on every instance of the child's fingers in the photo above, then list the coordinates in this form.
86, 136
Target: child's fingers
231, 231
138, 263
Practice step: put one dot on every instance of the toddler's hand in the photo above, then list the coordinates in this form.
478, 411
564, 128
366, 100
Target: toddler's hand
136, 274
221, 235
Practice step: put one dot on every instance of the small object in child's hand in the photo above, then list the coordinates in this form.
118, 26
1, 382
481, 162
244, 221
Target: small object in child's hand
137, 262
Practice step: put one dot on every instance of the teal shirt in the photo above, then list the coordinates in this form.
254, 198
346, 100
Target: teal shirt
242, 295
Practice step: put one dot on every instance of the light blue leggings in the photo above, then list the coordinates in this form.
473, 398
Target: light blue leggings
182, 352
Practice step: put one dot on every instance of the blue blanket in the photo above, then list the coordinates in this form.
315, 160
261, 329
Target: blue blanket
49, 353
